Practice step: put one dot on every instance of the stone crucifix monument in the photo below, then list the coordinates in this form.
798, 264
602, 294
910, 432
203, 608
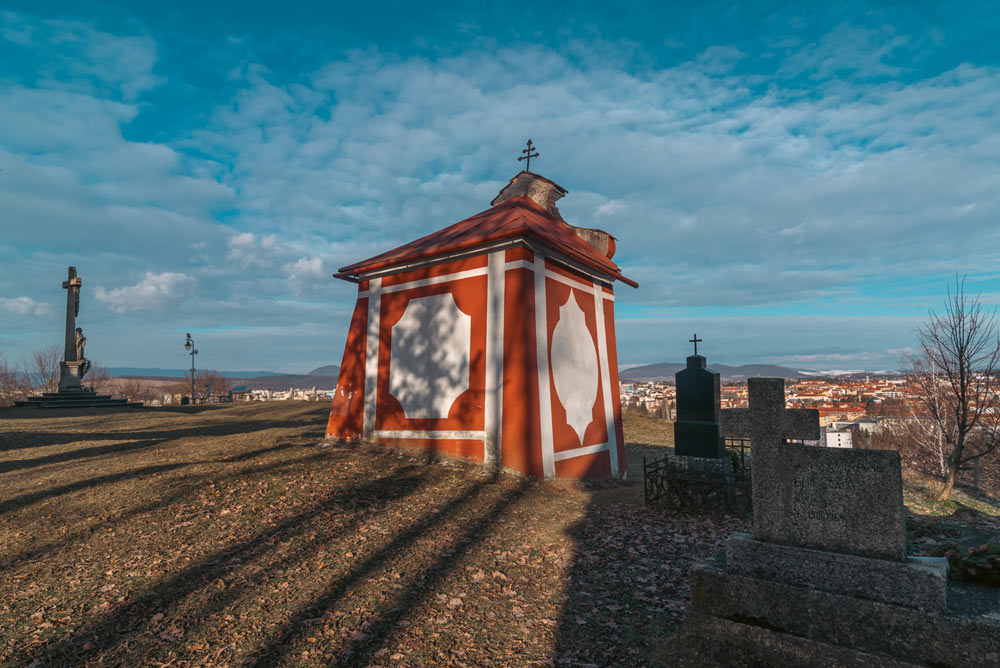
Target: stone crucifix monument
825, 579
72, 393
74, 365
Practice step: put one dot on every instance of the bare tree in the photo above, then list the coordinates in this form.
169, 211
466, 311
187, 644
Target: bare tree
219, 385
98, 377
14, 383
955, 372
133, 389
45, 364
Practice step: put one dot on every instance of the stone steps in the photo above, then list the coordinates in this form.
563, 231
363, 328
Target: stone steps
83, 399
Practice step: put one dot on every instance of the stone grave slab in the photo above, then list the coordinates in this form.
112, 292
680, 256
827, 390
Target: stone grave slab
835, 499
916, 582
825, 580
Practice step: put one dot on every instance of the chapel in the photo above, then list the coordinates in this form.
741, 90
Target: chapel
492, 339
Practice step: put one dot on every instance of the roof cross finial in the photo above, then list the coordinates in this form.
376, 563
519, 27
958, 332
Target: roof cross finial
528, 155
695, 341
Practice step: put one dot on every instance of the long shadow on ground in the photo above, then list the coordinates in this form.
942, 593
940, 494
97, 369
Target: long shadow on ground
116, 636
628, 584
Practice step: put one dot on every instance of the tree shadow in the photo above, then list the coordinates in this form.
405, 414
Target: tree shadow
380, 631
25, 500
191, 483
115, 632
140, 440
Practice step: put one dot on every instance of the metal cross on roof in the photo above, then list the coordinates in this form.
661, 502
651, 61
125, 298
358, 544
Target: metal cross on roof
528, 155
695, 341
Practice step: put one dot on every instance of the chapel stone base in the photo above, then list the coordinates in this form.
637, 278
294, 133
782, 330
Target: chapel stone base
786, 606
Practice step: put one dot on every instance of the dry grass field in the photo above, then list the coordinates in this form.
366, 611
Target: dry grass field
224, 536
234, 536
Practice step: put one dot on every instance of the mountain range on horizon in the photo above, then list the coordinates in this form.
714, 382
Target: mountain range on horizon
118, 371
666, 370
326, 375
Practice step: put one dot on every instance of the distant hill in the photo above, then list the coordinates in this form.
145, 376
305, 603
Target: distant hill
666, 371
328, 370
285, 381
178, 373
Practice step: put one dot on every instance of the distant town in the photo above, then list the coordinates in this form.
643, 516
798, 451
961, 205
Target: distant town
848, 406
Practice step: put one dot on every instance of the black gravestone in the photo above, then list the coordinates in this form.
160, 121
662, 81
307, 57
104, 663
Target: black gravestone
696, 431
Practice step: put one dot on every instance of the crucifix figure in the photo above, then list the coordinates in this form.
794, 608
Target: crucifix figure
72, 286
528, 155
695, 341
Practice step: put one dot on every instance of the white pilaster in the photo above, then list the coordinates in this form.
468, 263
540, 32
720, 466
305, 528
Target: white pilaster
493, 401
371, 356
602, 354
544, 382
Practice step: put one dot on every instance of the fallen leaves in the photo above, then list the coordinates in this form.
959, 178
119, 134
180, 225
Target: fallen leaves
249, 550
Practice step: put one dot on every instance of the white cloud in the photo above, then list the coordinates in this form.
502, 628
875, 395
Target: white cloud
25, 306
306, 272
92, 58
155, 292
824, 179
246, 251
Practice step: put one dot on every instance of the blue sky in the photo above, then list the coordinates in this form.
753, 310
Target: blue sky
797, 183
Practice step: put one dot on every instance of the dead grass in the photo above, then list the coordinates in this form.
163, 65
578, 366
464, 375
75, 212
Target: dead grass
647, 430
232, 535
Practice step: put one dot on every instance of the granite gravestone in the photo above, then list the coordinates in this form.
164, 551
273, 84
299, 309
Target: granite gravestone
824, 579
696, 430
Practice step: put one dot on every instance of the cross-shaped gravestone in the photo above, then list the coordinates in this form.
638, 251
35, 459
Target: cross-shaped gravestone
798, 424
832, 499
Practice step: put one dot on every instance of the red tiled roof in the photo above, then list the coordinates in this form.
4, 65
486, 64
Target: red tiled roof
516, 217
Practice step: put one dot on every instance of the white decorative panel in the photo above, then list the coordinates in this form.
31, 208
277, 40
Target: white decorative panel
429, 362
575, 368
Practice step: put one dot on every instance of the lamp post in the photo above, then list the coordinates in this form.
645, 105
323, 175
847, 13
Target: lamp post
189, 346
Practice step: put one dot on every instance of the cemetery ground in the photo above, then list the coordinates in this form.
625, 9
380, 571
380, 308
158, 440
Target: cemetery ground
233, 535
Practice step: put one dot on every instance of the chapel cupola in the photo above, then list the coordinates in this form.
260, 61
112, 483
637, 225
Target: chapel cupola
537, 188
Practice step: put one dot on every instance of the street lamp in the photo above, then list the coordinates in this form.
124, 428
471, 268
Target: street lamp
189, 346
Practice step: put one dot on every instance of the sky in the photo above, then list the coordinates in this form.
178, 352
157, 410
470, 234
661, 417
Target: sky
797, 183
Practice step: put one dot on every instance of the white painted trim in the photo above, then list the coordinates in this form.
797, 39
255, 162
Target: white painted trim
602, 354
459, 275
519, 264
483, 271
575, 284
554, 255
493, 401
436, 435
436, 280
579, 452
542, 358
444, 259
371, 356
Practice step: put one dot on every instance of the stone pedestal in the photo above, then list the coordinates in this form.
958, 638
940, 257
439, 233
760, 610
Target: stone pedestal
70, 377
